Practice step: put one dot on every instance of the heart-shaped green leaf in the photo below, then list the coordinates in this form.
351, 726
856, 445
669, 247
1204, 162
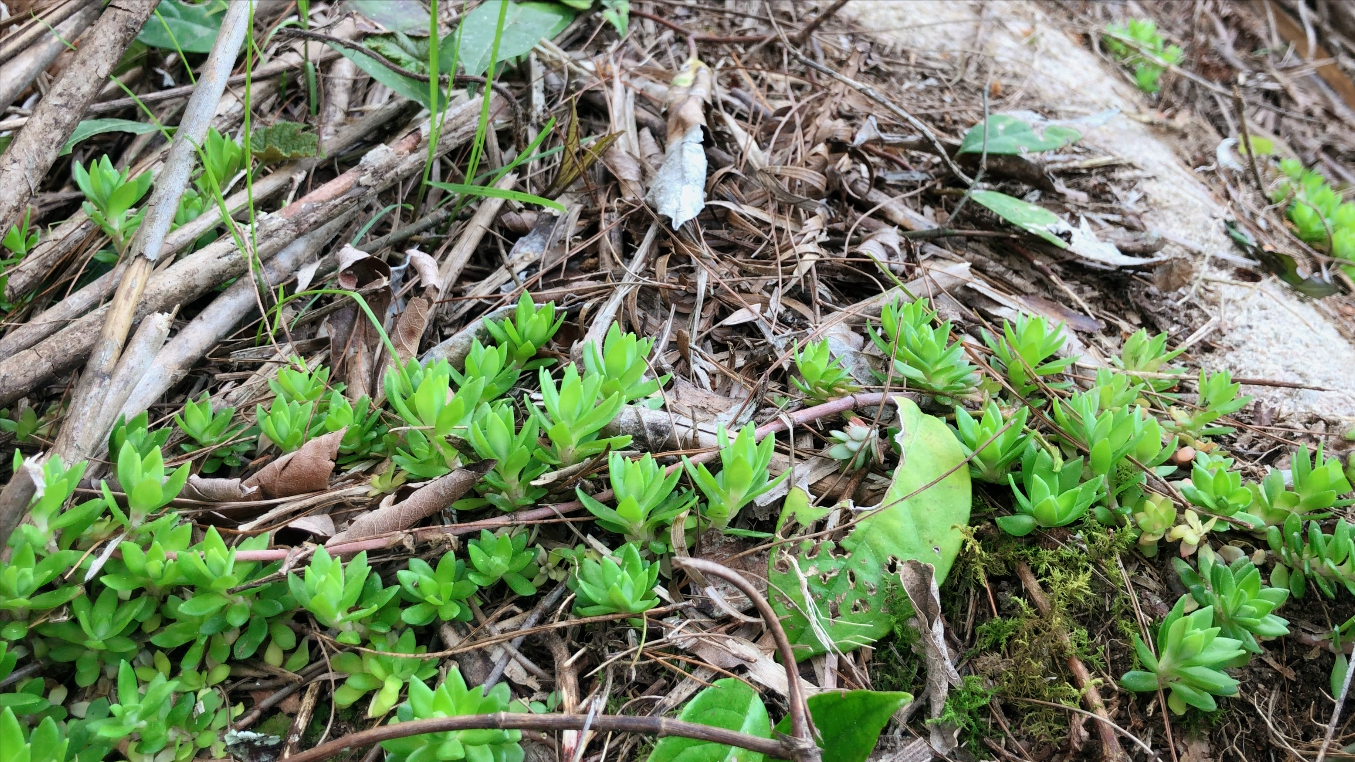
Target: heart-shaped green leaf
849, 722
728, 704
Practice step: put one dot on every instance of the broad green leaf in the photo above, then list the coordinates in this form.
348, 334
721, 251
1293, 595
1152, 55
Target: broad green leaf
395, 15
1009, 135
1024, 215
847, 584
525, 25
849, 722
728, 704
192, 27
282, 141
485, 190
91, 127
407, 87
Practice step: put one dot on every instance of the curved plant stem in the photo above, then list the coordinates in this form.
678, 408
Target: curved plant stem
659, 726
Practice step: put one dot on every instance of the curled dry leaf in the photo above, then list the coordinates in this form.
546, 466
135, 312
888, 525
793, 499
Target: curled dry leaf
427, 500
354, 343
679, 189
306, 470
409, 328
919, 582
218, 490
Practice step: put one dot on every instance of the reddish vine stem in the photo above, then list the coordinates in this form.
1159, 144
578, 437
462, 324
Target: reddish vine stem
660, 726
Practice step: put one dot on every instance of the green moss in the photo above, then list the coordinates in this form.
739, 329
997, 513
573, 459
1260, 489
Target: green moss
966, 709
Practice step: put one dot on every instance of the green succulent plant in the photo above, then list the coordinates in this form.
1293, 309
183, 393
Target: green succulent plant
921, 353
1022, 354
1242, 605
1326, 560
342, 598
743, 474
213, 431
151, 569
857, 446
147, 487
1189, 663
21, 580
994, 461
46, 744
1141, 356
1112, 436
503, 556
492, 366
822, 376
646, 501
363, 432
297, 383
1155, 517
97, 633
527, 331
621, 584
494, 434
1217, 398
386, 672
287, 424
46, 520
622, 364
136, 432
109, 197
440, 593
1217, 489
1318, 483
574, 415
141, 712
1140, 46
425, 457
453, 699
1054, 495
432, 406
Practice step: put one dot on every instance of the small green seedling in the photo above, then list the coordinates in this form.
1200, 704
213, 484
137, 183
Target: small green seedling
341, 598
20, 240
213, 431
109, 198
857, 446
493, 434
433, 408
1190, 658
147, 486
454, 699
505, 557
574, 414
1327, 560
1054, 494
622, 364
921, 352
527, 331
1156, 515
386, 672
743, 474
646, 501
295, 383
993, 462
141, 712
136, 432
1140, 46
1217, 489
46, 744
621, 584
1022, 354
1318, 483
363, 432
439, 593
1142, 356
492, 367
21, 580
1218, 397
822, 376
1242, 605
286, 424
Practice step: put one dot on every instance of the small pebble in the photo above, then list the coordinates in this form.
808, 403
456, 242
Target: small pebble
1183, 456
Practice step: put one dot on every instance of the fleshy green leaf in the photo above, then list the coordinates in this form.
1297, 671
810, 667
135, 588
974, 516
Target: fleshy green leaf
1024, 215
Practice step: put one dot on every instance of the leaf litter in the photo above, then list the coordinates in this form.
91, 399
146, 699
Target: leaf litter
793, 209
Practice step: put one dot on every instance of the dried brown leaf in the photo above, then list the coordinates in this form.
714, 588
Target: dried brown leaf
306, 470
409, 328
218, 490
354, 343
427, 500
919, 582
319, 525
427, 269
